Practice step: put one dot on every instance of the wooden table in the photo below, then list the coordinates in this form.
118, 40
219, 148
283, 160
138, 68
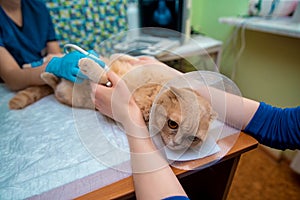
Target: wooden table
212, 182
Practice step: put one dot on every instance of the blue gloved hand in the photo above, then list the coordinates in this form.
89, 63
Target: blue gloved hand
67, 66
37, 63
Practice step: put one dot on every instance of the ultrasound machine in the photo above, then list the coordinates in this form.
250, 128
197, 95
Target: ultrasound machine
162, 25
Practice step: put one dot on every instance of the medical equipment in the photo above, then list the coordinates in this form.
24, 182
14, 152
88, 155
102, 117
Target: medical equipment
90, 55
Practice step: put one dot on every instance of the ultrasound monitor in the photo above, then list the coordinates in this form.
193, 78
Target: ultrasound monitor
169, 14
163, 25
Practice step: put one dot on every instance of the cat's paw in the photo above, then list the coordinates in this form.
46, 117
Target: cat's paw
17, 103
92, 70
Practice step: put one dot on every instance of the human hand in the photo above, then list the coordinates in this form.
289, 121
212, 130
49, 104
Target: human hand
67, 66
116, 102
42, 61
52, 55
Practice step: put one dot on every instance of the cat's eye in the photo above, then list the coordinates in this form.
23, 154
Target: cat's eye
172, 124
193, 139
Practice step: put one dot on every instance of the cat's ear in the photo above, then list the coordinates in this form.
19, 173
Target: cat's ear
184, 94
177, 92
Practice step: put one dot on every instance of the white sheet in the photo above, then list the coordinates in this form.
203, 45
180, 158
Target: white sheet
41, 151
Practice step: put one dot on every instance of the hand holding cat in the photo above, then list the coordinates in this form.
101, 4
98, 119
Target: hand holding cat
67, 66
116, 102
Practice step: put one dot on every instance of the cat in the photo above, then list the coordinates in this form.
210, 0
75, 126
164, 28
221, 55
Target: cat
182, 117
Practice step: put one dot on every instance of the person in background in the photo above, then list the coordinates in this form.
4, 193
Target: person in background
27, 37
152, 175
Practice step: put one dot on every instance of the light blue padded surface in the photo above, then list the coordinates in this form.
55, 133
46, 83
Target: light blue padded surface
40, 147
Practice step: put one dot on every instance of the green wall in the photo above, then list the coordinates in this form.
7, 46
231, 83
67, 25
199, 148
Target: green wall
269, 67
205, 15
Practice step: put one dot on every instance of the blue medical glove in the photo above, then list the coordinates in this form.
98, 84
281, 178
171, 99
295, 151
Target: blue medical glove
37, 63
67, 66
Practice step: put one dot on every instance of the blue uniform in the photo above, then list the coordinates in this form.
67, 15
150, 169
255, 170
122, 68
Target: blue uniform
176, 198
27, 43
275, 127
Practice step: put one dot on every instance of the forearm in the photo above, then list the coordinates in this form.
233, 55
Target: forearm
274, 127
53, 47
233, 109
158, 184
152, 175
18, 79
250, 108
15, 77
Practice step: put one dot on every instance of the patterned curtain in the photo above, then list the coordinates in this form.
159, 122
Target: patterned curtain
87, 23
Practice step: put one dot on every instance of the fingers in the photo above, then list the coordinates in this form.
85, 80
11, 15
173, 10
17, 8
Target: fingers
93, 55
76, 76
74, 79
113, 78
110, 99
146, 58
98, 91
92, 52
81, 75
101, 97
77, 80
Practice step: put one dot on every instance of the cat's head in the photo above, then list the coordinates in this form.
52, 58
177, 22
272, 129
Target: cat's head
182, 117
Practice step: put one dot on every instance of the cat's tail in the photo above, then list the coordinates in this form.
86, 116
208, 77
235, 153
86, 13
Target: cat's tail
29, 95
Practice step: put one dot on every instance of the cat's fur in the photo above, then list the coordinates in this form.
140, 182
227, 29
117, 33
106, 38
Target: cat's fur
182, 117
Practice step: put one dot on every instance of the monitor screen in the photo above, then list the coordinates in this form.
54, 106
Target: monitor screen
161, 13
170, 14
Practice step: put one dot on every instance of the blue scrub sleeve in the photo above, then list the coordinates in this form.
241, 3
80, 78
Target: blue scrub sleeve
276, 127
176, 198
51, 36
1, 41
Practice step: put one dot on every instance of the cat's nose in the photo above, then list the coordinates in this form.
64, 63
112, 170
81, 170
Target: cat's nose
177, 140
175, 144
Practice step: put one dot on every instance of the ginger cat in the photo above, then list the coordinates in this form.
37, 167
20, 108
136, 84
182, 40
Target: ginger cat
182, 117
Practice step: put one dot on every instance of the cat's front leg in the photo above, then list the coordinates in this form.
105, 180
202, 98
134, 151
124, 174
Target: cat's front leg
93, 70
